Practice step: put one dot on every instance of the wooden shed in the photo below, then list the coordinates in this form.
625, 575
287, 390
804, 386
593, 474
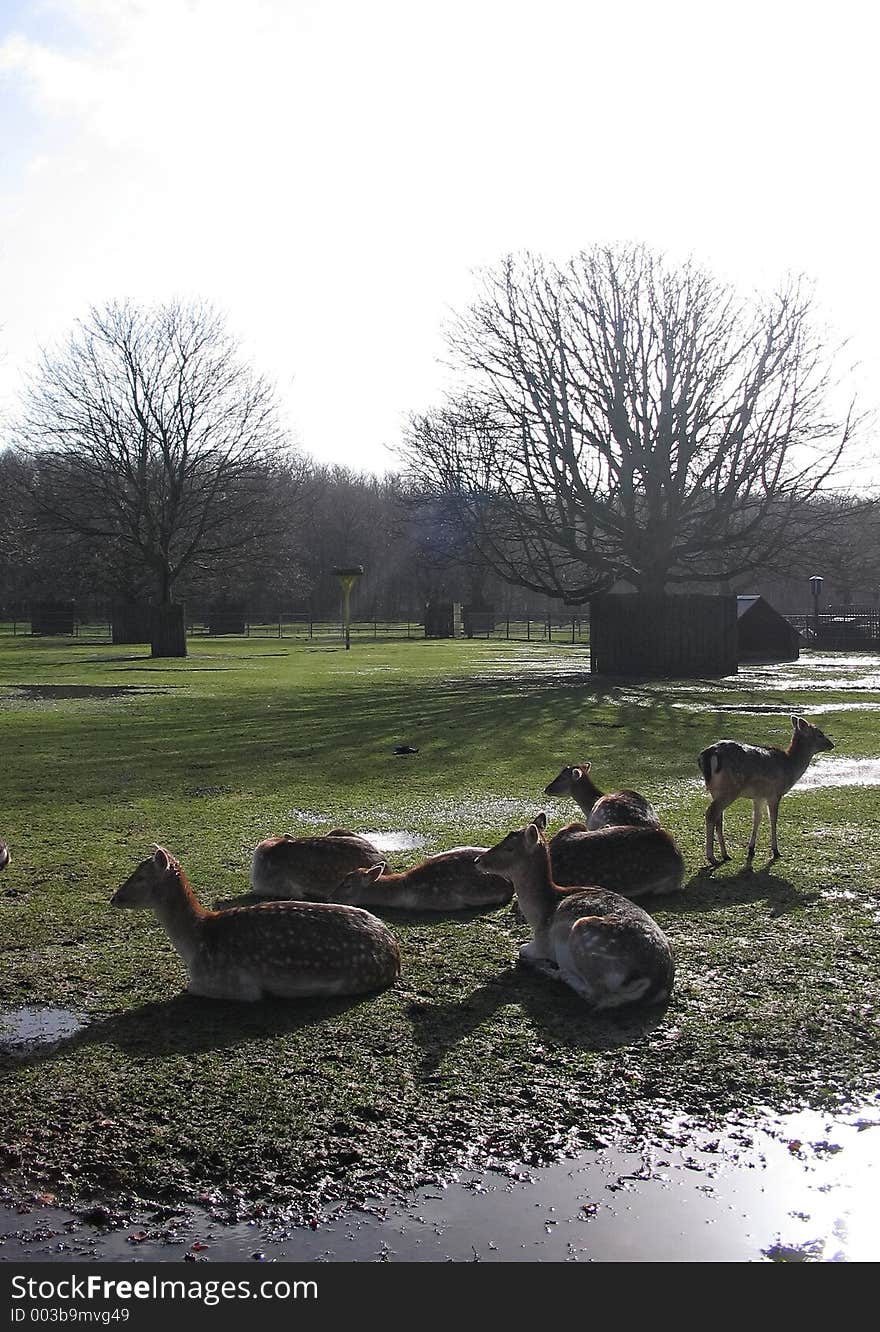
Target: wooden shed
685, 636
763, 635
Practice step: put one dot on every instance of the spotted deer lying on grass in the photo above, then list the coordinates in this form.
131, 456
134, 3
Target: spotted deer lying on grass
5, 857
281, 949
309, 868
450, 881
601, 810
607, 948
635, 861
762, 774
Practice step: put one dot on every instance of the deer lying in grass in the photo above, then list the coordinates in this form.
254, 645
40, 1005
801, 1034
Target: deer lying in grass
309, 868
637, 862
450, 881
760, 773
602, 811
281, 949
603, 945
5, 857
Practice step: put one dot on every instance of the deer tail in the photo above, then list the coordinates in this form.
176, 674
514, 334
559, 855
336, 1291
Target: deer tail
709, 761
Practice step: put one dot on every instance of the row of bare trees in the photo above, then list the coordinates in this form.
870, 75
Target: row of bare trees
614, 420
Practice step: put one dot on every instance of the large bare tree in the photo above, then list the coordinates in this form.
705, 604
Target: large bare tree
153, 439
618, 417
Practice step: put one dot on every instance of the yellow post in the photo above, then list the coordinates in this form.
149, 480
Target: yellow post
347, 578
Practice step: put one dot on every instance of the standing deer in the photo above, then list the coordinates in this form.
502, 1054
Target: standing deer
602, 811
761, 773
309, 868
608, 949
280, 949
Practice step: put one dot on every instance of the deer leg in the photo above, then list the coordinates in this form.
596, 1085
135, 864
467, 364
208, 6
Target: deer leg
757, 810
715, 824
773, 811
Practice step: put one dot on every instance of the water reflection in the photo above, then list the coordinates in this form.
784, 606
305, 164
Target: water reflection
795, 1188
22, 1030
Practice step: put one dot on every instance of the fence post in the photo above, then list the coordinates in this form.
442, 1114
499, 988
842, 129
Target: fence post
572, 629
528, 631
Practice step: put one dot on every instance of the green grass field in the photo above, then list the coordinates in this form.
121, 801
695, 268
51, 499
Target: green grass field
167, 1097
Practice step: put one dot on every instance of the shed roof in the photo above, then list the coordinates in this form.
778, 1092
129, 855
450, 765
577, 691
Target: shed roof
744, 604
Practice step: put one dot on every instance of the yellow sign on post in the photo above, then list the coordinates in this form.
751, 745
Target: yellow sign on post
347, 578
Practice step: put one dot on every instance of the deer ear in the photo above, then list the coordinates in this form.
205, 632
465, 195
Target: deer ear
577, 773
532, 836
162, 859
585, 768
540, 820
374, 871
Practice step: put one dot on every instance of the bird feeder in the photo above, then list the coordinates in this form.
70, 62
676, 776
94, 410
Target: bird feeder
347, 579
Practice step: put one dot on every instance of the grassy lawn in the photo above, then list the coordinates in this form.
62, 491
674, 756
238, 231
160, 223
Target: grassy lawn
166, 1097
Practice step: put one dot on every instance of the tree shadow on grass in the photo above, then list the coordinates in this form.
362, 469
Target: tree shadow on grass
185, 1025
552, 1007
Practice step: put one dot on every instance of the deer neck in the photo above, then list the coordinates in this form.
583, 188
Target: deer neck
585, 793
535, 890
797, 757
181, 914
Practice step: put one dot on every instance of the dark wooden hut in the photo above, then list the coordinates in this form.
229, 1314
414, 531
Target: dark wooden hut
763, 635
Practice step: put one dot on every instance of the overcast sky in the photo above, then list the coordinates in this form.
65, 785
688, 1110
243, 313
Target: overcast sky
329, 173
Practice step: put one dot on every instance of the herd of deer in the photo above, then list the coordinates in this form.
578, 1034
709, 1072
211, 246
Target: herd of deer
577, 890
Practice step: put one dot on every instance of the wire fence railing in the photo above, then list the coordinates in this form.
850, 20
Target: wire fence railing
546, 629
838, 629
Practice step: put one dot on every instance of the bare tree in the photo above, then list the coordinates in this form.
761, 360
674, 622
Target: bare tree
153, 438
618, 418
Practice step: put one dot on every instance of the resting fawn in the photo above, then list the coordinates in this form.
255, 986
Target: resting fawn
761, 773
603, 945
282, 949
451, 881
602, 811
309, 868
634, 861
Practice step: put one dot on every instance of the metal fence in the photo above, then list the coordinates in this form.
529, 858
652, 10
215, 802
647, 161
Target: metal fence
548, 629
848, 627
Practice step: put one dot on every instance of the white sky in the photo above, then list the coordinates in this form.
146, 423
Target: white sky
330, 172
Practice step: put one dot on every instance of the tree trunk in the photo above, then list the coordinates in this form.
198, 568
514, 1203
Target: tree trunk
168, 631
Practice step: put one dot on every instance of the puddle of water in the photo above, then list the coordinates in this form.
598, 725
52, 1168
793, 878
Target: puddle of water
49, 692
501, 810
779, 709
838, 707
839, 772
823, 772
798, 1188
395, 841
22, 1029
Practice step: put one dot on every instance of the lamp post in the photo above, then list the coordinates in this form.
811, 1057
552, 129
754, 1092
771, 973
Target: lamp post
347, 578
816, 587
